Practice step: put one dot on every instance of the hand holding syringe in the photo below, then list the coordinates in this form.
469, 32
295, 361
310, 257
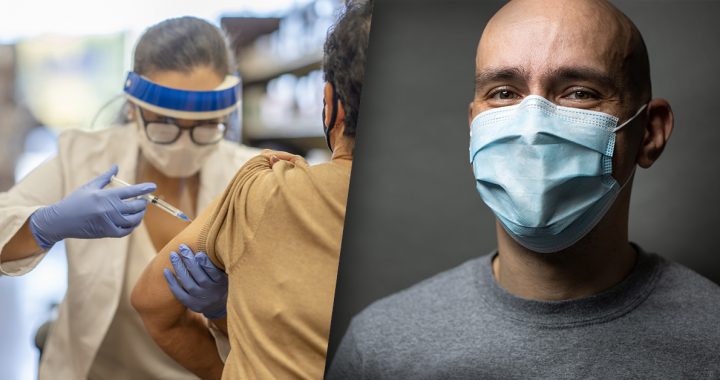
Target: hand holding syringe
167, 207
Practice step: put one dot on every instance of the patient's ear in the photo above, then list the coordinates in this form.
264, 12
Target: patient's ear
656, 132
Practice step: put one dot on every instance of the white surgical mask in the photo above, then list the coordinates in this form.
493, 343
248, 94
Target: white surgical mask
181, 159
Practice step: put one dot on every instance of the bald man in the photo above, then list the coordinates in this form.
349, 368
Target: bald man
562, 116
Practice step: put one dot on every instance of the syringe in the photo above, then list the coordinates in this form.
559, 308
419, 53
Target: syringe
167, 207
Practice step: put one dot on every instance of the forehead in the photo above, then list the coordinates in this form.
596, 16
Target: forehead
154, 116
201, 78
542, 43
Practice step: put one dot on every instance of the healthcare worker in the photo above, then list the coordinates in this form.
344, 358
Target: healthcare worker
180, 93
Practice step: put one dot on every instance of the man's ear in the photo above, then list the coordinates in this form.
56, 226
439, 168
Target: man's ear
327, 103
340, 117
339, 129
658, 127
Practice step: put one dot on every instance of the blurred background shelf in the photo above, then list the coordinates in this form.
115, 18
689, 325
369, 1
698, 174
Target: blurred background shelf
260, 69
280, 61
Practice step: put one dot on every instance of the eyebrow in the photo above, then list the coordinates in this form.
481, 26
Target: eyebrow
587, 74
503, 74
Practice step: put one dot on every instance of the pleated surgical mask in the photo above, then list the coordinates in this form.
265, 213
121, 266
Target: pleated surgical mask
545, 170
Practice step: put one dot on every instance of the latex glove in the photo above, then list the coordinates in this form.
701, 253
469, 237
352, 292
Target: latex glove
199, 284
91, 212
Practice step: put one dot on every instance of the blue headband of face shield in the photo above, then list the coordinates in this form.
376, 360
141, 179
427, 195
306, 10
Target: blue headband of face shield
183, 104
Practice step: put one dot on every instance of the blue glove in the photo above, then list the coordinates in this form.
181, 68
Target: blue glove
202, 287
91, 212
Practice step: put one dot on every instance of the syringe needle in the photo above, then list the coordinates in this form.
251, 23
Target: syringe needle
161, 204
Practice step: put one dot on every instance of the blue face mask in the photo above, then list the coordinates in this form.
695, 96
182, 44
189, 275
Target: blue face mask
545, 170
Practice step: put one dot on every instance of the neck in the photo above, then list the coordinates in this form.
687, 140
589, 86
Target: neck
600, 260
343, 148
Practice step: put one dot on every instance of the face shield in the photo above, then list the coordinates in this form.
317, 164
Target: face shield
184, 104
221, 103
206, 116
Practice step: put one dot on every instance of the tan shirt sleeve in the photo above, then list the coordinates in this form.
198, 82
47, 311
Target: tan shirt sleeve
230, 229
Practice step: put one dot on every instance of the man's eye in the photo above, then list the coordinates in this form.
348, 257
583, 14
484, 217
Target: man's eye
581, 95
503, 95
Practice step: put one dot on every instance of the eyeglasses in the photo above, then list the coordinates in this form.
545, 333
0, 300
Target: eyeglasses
166, 130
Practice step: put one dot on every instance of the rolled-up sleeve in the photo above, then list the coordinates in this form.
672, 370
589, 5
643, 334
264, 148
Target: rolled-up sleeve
230, 229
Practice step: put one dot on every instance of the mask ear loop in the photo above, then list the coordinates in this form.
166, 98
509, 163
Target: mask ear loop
627, 180
621, 126
632, 173
333, 117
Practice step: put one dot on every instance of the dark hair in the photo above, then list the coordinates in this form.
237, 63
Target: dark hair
345, 56
182, 44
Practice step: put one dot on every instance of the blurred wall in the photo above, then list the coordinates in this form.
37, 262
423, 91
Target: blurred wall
413, 208
15, 118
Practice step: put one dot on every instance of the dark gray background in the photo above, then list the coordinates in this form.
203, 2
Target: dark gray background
413, 210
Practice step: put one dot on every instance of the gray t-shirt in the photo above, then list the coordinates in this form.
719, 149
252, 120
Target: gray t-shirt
661, 322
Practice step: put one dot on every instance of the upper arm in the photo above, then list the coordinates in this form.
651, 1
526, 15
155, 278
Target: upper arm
221, 230
151, 296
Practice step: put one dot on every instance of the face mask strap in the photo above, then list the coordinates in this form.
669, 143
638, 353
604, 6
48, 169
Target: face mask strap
621, 126
333, 117
627, 180
632, 173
